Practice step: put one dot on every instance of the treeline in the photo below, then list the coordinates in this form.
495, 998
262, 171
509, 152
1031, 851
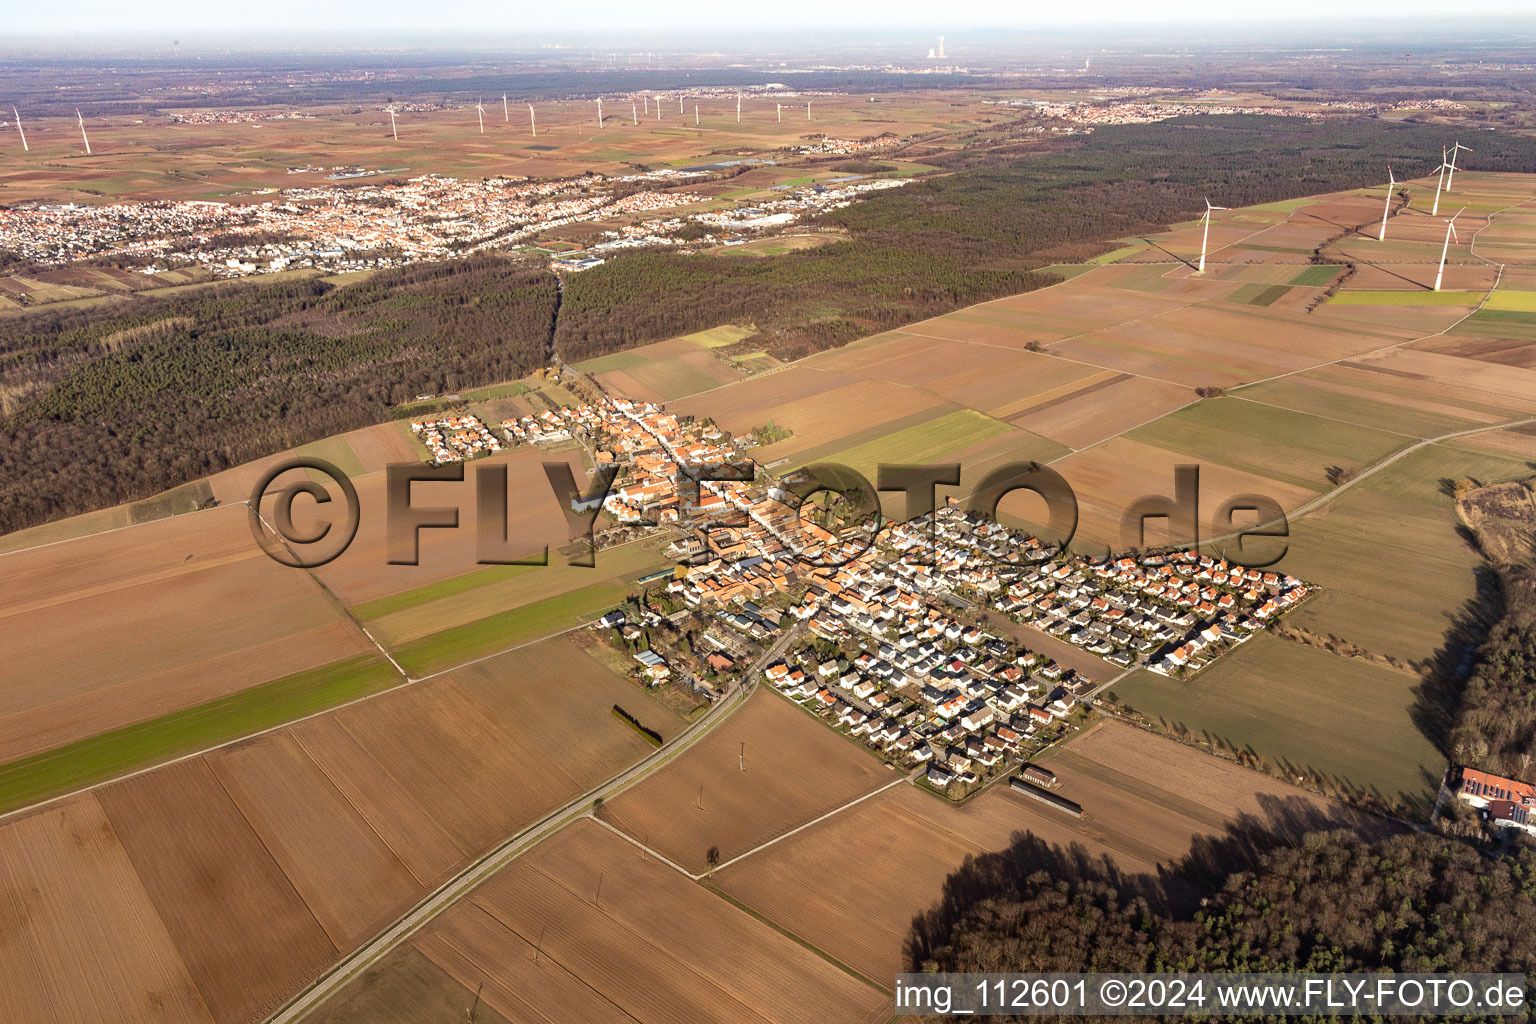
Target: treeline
989, 229
1495, 723
1332, 902
103, 407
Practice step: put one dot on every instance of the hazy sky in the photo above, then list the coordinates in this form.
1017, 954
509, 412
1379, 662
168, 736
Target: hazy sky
90, 17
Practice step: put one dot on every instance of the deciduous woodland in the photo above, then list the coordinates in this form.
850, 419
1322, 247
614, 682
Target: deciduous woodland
1333, 902
108, 404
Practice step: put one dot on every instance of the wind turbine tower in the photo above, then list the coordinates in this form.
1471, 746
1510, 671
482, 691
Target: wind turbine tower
658, 108
780, 107
1450, 233
25, 148
1435, 210
807, 110
392, 129
480, 113
1205, 236
506, 111
1455, 152
599, 113
695, 115
533, 126
634, 111
738, 108
83, 136
1381, 236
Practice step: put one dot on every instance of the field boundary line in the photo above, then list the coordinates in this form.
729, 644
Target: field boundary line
646, 849
901, 781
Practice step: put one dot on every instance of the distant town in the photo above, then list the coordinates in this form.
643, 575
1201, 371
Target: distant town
429, 217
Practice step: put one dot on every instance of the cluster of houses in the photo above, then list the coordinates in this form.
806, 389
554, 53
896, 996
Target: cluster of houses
329, 226
927, 687
849, 147
1507, 803
455, 438
918, 677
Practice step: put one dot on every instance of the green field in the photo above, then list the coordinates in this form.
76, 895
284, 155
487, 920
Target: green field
929, 441
240, 714
1259, 294
1395, 569
1117, 254
1343, 719
718, 337
499, 587
1316, 277
1367, 297
1304, 395
1280, 444
1522, 302
495, 391
509, 628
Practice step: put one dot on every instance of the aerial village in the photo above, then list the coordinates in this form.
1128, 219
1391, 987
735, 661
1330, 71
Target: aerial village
904, 636
376, 226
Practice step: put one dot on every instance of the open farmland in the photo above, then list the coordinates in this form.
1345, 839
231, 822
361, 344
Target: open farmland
1340, 721
302, 842
853, 884
669, 369
226, 160
584, 928
49, 917
703, 799
205, 868
155, 618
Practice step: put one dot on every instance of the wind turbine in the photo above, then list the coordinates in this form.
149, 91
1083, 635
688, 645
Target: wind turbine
83, 136
634, 111
1381, 236
695, 115
533, 126
1455, 152
647, 101
680, 103
599, 113
25, 148
1439, 184
780, 107
1206, 235
738, 108
658, 108
392, 129
807, 110
480, 113
506, 111
1450, 233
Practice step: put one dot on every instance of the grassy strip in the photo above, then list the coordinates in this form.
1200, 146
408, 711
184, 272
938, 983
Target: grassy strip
508, 628
651, 735
240, 714
442, 588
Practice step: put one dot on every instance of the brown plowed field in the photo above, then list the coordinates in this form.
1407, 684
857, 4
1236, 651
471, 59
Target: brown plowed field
246, 936
151, 619
797, 769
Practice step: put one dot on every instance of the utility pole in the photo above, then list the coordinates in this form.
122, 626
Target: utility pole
599, 894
